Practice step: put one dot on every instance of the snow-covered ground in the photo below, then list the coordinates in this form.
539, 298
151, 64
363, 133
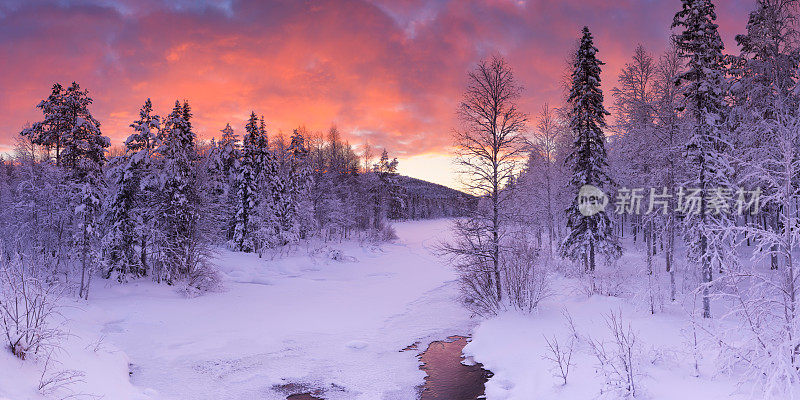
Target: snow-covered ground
306, 322
513, 345
303, 320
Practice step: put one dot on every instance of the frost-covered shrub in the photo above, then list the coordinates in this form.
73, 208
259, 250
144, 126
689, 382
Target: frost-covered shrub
607, 280
560, 355
384, 234
203, 278
618, 358
759, 335
28, 307
338, 255
477, 287
525, 275
523, 278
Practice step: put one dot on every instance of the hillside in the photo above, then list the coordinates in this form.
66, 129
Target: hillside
425, 200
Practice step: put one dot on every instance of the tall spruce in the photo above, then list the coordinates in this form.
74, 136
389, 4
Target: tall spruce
703, 84
225, 160
178, 202
299, 177
588, 234
127, 211
247, 176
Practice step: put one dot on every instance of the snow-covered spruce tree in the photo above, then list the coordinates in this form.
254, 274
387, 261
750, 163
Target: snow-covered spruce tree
224, 159
704, 84
127, 212
50, 132
588, 235
229, 149
279, 184
386, 193
488, 145
247, 177
290, 187
143, 144
300, 184
178, 242
83, 156
393, 191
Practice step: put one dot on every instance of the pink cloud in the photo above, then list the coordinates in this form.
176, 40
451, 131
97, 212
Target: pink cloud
390, 72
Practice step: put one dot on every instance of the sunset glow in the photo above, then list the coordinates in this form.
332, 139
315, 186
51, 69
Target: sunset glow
386, 72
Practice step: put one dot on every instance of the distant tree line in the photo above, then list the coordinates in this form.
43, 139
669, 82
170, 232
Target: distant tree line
157, 207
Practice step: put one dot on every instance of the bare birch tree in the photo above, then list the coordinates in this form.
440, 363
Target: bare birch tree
489, 144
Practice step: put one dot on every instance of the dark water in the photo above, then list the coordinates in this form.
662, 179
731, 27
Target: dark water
447, 378
303, 396
300, 392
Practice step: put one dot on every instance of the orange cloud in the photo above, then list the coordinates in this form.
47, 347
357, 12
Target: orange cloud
386, 71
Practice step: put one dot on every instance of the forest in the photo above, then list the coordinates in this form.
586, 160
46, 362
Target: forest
637, 243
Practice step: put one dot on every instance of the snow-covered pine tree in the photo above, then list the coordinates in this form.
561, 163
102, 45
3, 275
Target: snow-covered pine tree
588, 235
278, 180
51, 131
127, 213
83, 156
179, 243
224, 161
299, 185
386, 193
143, 145
146, 131
699, 43
247, 177
228, 149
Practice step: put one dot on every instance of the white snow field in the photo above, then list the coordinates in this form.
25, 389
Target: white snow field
513, 345
304, 321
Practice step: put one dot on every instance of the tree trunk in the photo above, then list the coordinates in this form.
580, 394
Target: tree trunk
649, 235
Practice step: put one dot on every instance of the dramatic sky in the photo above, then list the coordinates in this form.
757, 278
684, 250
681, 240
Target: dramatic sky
385, 71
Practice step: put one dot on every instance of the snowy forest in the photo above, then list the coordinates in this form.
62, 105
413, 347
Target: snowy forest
633, 243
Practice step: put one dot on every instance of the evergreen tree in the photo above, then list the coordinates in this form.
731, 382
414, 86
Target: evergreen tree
299, 179
225, 161
703, 83
69, 128
247, 176
51, 131
127, 212
588, 234
179, 239
228, 150
386, 194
